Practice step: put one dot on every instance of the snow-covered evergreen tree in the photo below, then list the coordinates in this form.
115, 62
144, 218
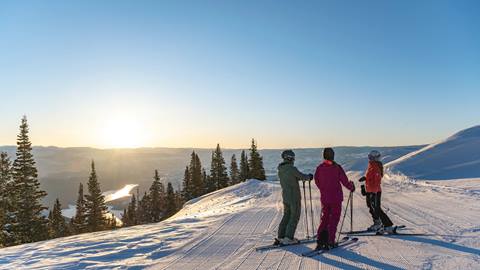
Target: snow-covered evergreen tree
255, 163
95, 204
27, 219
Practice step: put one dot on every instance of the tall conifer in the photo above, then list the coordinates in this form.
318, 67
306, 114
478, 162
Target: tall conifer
234, 171
218, 170
255, 163
244, 168
79, 221
95, 204
29, 224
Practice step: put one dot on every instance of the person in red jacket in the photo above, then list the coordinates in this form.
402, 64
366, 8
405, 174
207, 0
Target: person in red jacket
329, 177
373, 187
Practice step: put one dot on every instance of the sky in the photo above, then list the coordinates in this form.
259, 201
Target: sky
197, 73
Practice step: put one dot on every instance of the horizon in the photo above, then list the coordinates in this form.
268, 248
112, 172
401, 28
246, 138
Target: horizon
116, 74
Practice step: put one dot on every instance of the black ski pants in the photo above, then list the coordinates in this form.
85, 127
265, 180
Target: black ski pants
375, 208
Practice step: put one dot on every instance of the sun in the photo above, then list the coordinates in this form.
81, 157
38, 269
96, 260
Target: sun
124, 131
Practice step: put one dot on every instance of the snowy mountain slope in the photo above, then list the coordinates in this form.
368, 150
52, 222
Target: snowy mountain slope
456, 157
137, 246
220, 231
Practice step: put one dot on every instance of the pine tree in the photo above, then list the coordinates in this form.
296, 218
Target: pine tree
210, 184
244, 168
178, 200
28, 223
157, 199
130, 214
79, 221
218, 171
142, 216
234, 172
125, 220
255, 163
95, 204
187, 192
56, 222
197, 185
170, 207
5, 198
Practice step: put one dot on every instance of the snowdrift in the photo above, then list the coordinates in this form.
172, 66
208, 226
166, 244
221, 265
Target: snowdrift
138, 246
456, 157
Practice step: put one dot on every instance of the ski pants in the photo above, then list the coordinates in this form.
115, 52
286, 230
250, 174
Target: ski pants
375, 208
329, 221
291, 216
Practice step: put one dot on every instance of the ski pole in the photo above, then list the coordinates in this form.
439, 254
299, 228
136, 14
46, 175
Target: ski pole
305, 206
351, 212
344, 215
311, 208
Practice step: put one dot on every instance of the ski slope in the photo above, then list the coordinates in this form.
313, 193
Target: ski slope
221, 230
455, 157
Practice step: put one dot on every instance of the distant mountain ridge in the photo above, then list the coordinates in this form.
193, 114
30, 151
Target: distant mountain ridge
62, 169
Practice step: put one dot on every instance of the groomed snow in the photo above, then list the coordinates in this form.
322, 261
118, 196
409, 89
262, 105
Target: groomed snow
221, 230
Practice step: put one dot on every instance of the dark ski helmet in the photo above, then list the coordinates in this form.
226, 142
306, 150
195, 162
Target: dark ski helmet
328, 154
288, 155
374, 155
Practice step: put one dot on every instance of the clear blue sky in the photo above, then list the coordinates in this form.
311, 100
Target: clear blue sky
193, 73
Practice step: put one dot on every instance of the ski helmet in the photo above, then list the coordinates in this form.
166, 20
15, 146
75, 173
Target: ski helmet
328, 154
288, 155
374, 155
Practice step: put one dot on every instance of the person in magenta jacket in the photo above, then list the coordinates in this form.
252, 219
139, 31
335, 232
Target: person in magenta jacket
329, 177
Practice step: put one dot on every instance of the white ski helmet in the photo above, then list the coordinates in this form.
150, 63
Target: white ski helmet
374, 155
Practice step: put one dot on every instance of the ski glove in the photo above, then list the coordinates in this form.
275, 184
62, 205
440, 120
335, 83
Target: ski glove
353, 186
310, 177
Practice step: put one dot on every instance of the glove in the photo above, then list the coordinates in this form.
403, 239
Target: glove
310, 177
364, 191
353, 186
362, 179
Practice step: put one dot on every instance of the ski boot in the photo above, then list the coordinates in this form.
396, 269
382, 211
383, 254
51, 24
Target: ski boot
277, 241
322, 240
288, 241
376, 226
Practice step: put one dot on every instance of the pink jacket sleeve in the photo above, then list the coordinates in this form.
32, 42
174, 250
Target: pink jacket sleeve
344, 179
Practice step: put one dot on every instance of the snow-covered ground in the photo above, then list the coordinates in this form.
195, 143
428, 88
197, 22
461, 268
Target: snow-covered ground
221, 230
455, 157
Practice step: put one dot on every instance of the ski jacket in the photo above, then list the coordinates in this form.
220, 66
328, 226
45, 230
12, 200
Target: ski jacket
374, 176
289, 176
328, 177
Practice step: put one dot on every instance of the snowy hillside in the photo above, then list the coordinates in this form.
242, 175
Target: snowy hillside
221, 230
456, 157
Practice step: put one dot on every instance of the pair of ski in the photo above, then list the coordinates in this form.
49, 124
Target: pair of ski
273, 246
345, 241
396, 231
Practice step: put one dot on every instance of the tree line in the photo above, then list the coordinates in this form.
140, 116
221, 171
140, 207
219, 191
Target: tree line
196, 181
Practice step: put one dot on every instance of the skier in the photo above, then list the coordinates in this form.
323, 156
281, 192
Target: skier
381, 222
289, 177
328, 177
